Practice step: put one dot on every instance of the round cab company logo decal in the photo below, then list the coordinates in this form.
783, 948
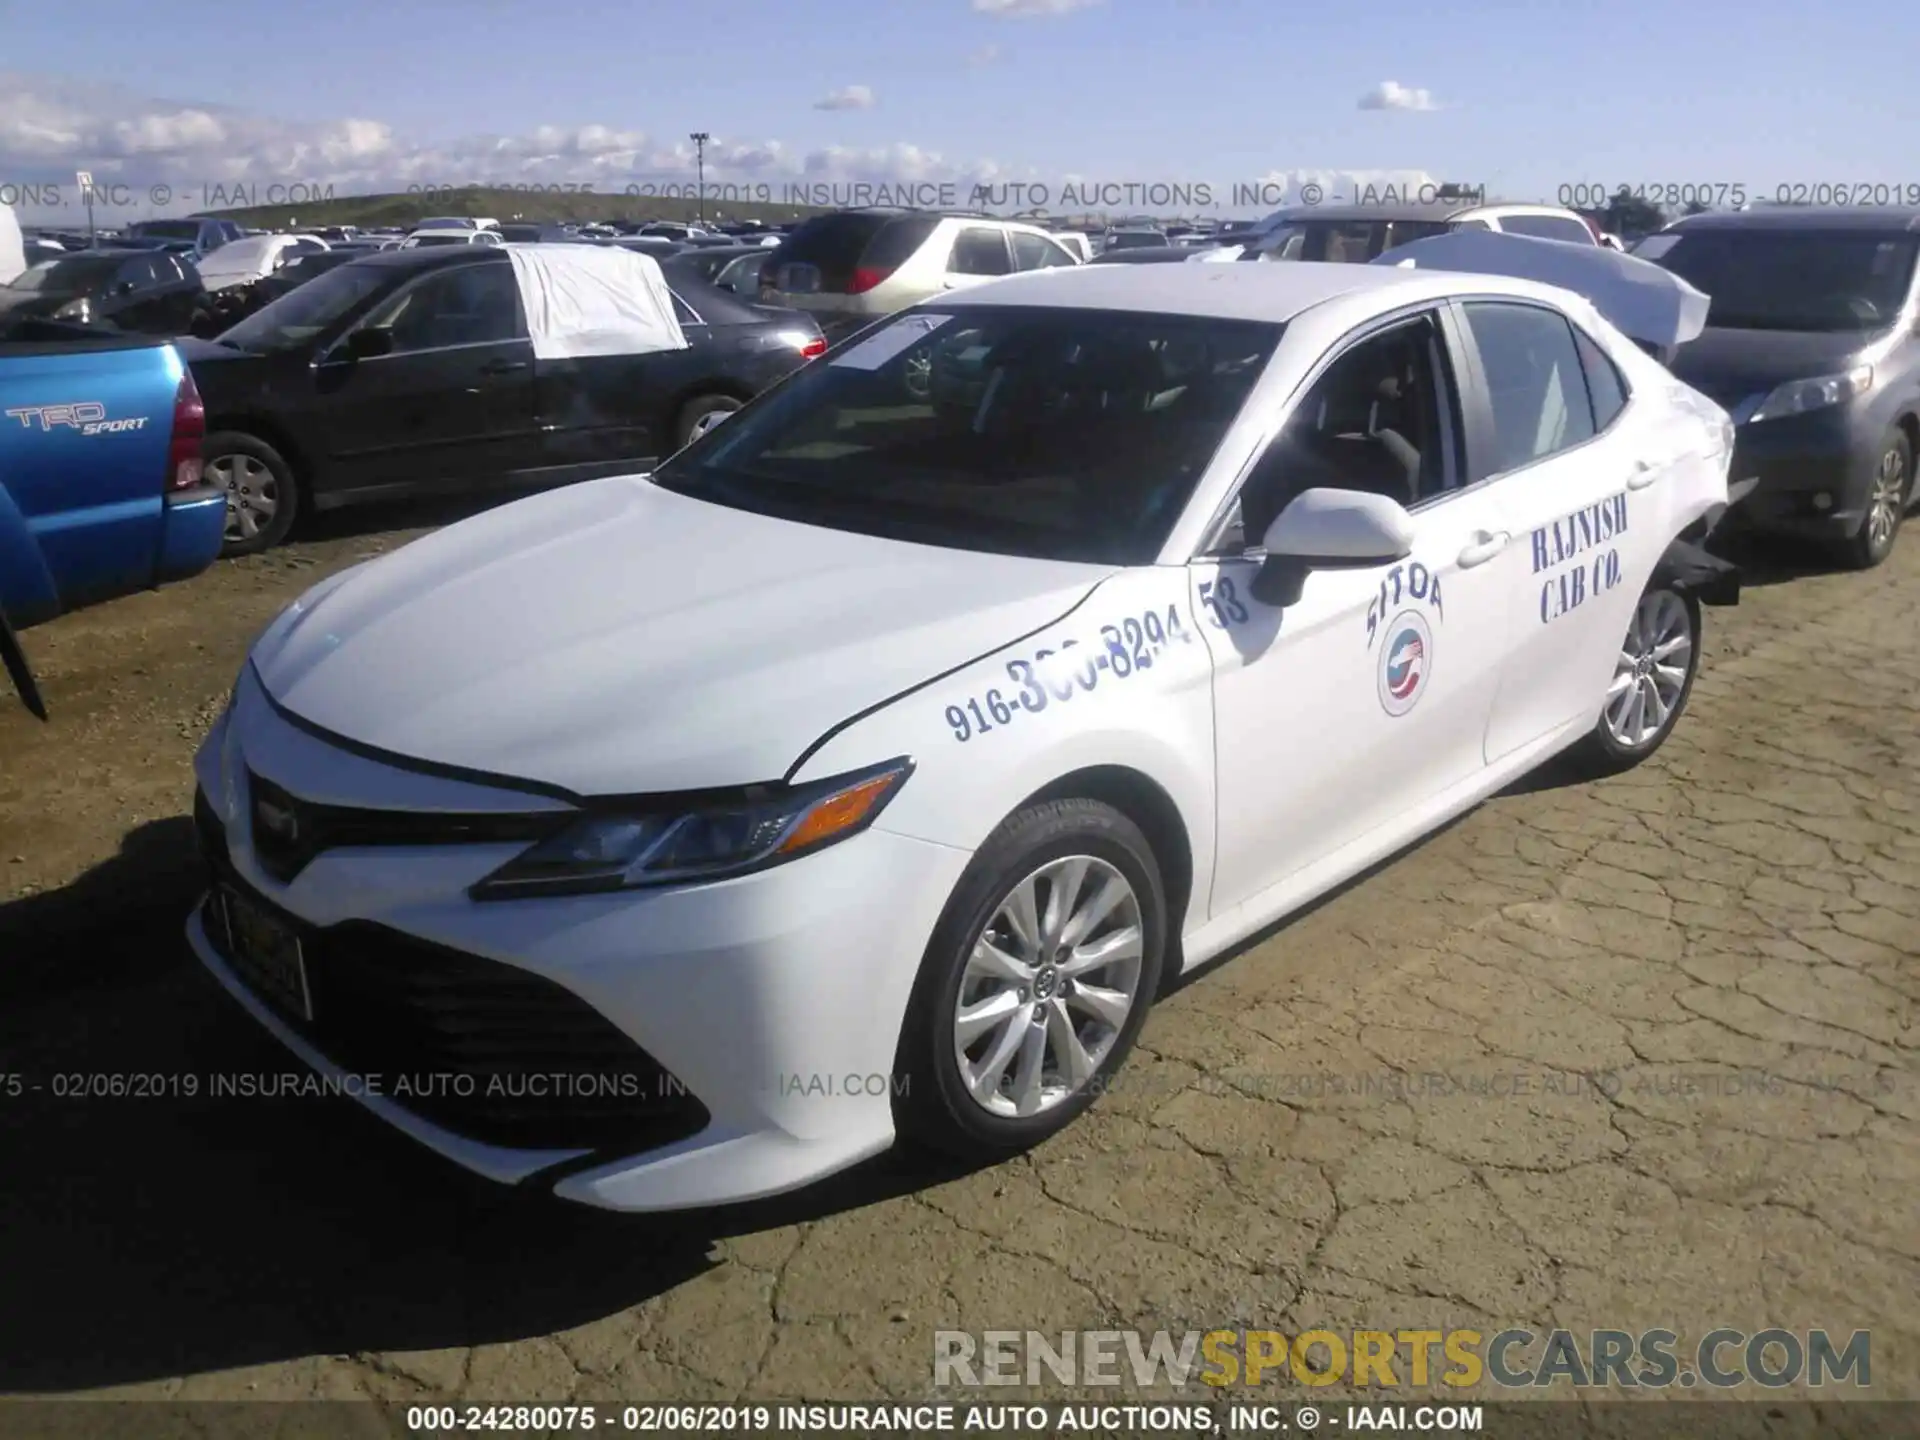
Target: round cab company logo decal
1406, 662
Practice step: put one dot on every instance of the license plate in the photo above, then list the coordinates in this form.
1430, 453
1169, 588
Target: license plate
800, 279
266, 952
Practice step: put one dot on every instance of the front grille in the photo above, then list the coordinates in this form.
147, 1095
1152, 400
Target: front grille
289, 833
486, 1050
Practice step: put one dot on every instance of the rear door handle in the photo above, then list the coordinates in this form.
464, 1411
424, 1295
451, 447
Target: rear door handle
1644, 474
1484, 548
502, 367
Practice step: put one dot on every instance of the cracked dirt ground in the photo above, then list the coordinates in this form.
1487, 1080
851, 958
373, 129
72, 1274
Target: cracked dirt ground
1630, 1054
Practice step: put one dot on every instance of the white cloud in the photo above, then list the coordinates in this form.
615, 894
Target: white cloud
850, 97
209, 156
1026, 9
1392, 95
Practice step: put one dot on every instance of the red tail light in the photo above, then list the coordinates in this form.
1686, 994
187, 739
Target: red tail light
814, 347
865, 278
184, 469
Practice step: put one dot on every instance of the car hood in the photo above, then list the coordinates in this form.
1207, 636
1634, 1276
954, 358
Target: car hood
1732, 365
615, 638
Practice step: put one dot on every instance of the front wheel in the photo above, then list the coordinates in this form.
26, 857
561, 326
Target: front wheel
1886, 504
1036, 982
262, 495
700, 415
1652, 680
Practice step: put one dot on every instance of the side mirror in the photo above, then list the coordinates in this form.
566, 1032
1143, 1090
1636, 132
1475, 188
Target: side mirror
1328, 529
368, 344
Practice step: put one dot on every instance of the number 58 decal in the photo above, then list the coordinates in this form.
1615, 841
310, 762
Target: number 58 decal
1222, 602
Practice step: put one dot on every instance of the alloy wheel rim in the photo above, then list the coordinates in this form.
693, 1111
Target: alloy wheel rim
919, 374
1651, 672
253, 494
1889, 491
706, 422
1049, 985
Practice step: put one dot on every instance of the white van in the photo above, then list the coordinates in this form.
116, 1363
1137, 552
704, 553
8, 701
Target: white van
13, 252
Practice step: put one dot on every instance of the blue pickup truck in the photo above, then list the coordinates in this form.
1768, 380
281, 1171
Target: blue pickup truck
101, 490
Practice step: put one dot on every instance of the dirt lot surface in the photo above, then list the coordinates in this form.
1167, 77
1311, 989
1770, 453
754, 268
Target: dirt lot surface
1628, 1054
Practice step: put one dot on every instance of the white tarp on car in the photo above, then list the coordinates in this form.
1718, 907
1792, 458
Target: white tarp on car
1637, 297
594, 300
241, 262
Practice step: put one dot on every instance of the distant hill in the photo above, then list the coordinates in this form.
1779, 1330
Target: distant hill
501, 203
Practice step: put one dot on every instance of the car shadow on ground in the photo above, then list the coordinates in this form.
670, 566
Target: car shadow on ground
1766, 560
146, 1232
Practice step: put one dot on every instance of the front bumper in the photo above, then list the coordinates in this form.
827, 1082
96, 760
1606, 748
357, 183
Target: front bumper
760, 1015
1811, 474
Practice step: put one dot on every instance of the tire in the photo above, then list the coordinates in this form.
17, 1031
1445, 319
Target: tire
1887, 501
1663, 619
1056, 840
250, 470
698, 414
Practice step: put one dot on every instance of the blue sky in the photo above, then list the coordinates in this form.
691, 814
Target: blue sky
1526, 97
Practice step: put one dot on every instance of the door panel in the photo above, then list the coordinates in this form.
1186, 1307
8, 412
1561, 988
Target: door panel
440, 418
452, 405
1587, 519
1369, 695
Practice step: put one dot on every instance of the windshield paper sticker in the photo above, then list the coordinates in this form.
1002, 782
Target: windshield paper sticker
1559, 543
1051, 678
902, 335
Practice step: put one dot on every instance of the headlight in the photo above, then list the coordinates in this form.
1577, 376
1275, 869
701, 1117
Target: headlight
1796, 397
620, 850
81, 310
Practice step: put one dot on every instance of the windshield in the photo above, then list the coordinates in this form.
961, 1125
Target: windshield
66, 277
1062, 434
414, 242
300, 315
1792, 280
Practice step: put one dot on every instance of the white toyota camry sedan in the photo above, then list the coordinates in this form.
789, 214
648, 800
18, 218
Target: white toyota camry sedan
869, 768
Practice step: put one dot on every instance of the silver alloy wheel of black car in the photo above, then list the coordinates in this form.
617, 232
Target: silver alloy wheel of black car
253, 494
705, 423
1888, 500
919, 373
1048, 986
1650, 678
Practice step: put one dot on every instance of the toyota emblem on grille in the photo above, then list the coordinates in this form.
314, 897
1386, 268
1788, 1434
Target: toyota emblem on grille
278, 821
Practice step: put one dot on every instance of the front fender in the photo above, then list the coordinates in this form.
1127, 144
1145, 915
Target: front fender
1155, 720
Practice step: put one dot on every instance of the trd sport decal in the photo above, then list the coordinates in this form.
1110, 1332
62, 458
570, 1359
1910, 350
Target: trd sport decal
1406, 662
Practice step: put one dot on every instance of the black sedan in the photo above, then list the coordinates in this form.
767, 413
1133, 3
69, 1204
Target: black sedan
411, 372
147, 292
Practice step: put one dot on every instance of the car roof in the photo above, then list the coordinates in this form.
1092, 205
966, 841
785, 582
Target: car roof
1270, 292
1859, 220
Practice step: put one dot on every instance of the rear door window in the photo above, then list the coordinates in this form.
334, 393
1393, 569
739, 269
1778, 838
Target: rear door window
980, 251
1036, 252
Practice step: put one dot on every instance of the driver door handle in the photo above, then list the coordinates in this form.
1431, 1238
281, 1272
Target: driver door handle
502, 367
1644, 474
1484, 547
